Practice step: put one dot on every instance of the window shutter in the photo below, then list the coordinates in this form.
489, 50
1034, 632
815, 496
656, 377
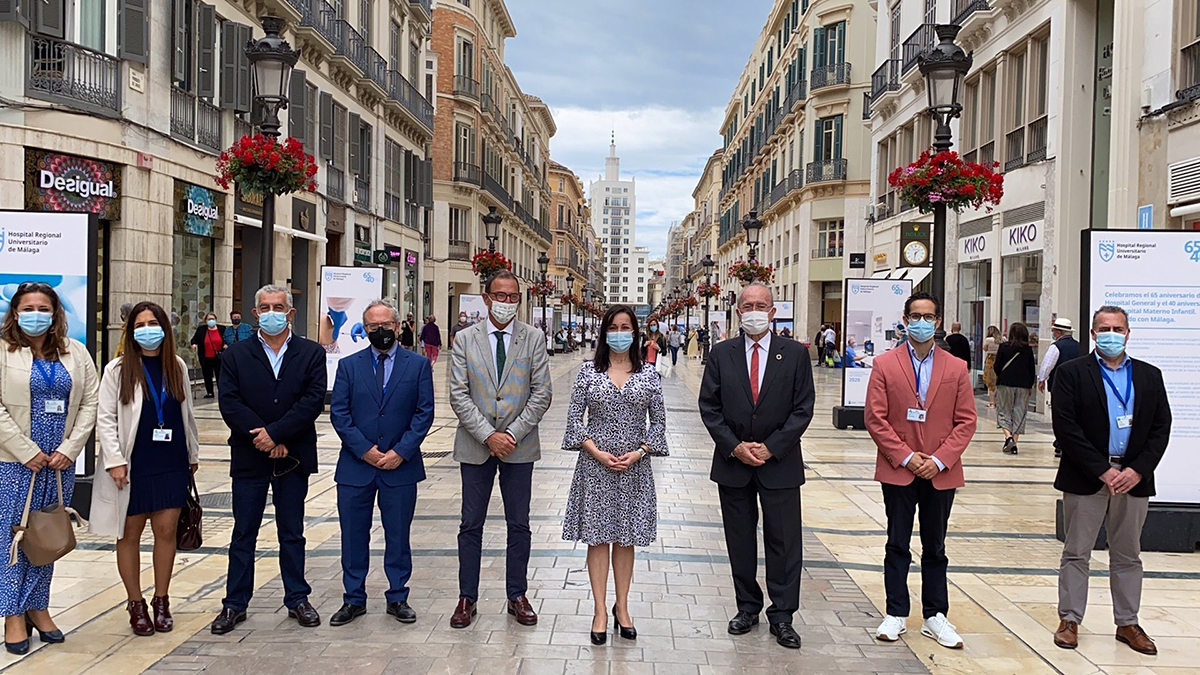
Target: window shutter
243, 68
818, 142
837, 137
179, 41
14, 10
134, 31
354, 132
339, 137
326, 125
229, 62
206, 33
427, 202
841, 38
310, 119
50, 18
296, 108
366, 154
818, 47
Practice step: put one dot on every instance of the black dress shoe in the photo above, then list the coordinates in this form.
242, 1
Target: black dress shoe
305, 615
627, 633
402, 612
785, 635
22, 647
742, 622
346, 614
226, 621
50, 637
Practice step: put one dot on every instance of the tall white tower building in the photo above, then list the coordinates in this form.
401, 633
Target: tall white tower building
614, 218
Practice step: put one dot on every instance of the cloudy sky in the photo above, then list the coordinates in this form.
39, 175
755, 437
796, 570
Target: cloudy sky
659, 72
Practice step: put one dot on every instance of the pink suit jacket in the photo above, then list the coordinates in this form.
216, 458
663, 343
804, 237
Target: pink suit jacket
949, 423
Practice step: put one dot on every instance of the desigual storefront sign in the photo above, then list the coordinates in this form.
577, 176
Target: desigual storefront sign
57, 182
977, 247
199, 211
1024, 238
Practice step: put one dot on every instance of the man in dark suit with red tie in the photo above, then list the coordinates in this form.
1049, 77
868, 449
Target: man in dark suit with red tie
756, 400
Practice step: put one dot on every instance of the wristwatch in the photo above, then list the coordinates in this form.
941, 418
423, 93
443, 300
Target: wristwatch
643, 451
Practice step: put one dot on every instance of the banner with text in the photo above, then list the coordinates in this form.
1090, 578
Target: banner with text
874, 311
345, 294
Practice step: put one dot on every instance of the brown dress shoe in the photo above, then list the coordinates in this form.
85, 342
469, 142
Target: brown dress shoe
305, 615
1067, 635
521, 609
139, 618
1137, 639
163, 623
463, 614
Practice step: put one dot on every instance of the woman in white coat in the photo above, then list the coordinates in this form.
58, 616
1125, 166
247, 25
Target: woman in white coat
145, 413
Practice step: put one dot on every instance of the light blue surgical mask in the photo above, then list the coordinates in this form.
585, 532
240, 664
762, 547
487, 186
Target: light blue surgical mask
921, 330
1110, 344
653, 329
148, 337
34, 324
619, 342
273, 323
212, 323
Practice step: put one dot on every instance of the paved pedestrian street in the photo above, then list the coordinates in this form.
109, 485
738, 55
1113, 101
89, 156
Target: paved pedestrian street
1002, 552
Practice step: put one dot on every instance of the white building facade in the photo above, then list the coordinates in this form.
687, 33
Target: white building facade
614, 218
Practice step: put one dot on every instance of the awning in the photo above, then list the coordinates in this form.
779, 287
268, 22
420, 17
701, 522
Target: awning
279, 229
881, 274
915, 274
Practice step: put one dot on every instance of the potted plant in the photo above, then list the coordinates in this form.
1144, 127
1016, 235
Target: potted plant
262, 165
708, 289
944, 178
543, 288
486, 263
750, 271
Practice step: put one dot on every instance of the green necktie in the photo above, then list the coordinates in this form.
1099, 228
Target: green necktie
500, 356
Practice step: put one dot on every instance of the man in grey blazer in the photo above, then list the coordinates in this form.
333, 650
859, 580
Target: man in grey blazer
499, 389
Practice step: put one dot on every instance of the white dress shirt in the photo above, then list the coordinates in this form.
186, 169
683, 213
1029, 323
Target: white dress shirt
1049, 360
507, 332
764, 349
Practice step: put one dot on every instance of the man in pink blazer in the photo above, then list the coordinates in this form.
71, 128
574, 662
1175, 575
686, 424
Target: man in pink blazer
920, 411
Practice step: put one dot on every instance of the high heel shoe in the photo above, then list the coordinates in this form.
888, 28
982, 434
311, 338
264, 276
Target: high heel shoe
50, 637
627, 633
599, 638
22, 647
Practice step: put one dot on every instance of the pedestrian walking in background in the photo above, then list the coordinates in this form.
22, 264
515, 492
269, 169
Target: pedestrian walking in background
654, 345
381, 408
756, 399
272, 391
458, 327
1112, 420
819, 342
408, 333
208, 342
145, 410
674, 342
991, 343
612, 502
958, 344
920, 411
1064, 348
237, 331
431, 337
499, 389
125, 310
48, 397
1015, 375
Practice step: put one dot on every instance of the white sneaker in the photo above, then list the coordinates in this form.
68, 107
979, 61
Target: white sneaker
940, 629
891, 629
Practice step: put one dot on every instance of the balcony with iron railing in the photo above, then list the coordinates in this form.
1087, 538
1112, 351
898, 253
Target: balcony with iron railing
830, 75
1014, 144
183, 114
410, 99
885, 79
798, 92
1189, 73
826, 170
866, 106
335, 184
208, 126
362, 193
486, 104
375, 72
350, 48
961, 9
393, 206
465, 86
425, 5
62, 72
319, 18
466, 173
496, 189
920, 42
1036, 151
459, 250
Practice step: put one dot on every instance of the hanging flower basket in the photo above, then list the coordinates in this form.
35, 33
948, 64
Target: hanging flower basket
691, 301
262, 165
486, 263
543, 289
708, 290
944, 178
750, 271
568, 299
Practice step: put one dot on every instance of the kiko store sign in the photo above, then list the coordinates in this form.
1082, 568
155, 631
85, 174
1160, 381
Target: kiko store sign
1023, 238
57, 182
976, 247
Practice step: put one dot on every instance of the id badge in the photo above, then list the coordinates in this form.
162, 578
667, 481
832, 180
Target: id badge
1124, 421
916, 415
162, 435
56, 406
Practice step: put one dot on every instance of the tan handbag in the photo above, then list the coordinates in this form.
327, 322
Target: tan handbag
47, 534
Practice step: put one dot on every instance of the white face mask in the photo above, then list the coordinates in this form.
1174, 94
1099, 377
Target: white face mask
756, 323
503, 312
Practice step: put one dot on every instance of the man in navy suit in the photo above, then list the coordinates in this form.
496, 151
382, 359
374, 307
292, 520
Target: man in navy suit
382, 407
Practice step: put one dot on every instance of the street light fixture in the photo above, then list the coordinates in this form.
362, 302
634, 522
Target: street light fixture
543, 262
271, 60
491, 227
708, 263
570, 308
753, 227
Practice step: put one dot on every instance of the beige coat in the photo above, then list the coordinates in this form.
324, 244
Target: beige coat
16, 444
116, 430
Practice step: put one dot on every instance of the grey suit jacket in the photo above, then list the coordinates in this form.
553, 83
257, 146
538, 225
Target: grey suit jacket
484, 403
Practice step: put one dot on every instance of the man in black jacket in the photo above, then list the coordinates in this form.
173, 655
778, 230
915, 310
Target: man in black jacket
958, 344
756, 400
272, 390
1112, 422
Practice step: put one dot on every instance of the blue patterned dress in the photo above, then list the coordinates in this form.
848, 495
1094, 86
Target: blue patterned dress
22, 586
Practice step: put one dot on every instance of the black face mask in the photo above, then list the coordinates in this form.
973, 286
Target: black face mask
237, 320
382, 338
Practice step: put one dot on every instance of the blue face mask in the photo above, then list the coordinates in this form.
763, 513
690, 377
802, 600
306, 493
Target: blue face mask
34, 324
273, 323
212, 323
1110, 344
619, 342
921, 331
148, 337
653, 329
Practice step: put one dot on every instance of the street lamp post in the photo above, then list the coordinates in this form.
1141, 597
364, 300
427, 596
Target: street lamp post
729, 318
708, 264
944, 68
687, 295
491, 230
543, 261
570, 308
271, 60
753, 227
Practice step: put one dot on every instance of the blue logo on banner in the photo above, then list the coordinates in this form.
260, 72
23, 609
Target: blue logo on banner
897, 289
368, 277
1192, 248
854, 289
3, 238
1107, 250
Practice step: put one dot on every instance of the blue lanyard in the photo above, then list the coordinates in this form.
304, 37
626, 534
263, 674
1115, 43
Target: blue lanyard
1123, 400
917, 370
48, 376
160, 397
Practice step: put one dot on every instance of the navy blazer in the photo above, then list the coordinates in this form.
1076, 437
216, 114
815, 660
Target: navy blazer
399, 420
288, 407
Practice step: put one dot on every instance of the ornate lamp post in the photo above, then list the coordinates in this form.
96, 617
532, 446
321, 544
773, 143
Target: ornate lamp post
271, 60
570, 308
732, 304
753, 227
944, 68
543, 262
708, 264
687, 294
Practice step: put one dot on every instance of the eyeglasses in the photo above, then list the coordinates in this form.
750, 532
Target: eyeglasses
917, 317
370, 327
291, 462
505, 297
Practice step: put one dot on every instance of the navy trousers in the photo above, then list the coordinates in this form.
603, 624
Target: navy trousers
288, 493
931, 507
516, 485
356, 511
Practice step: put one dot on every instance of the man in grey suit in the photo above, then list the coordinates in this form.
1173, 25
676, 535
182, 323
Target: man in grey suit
499, 389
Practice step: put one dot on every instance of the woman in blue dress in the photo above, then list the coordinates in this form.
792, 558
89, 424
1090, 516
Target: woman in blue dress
48, 396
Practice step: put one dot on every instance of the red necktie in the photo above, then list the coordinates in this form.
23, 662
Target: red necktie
754, 373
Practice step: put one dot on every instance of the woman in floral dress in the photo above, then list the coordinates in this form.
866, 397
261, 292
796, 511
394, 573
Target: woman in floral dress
612, 498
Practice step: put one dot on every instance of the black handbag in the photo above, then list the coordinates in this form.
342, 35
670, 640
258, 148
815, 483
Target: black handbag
188, 535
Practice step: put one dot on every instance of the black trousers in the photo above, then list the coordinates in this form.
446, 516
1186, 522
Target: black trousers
212, 372
901, 503
288, 493
516, 487
782, 539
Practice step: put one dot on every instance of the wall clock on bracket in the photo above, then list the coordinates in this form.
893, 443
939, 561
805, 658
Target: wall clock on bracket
916, 253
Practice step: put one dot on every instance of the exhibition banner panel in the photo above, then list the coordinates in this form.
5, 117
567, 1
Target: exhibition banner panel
543, 318
1154, 275
474, 307
345, 294
874, 317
